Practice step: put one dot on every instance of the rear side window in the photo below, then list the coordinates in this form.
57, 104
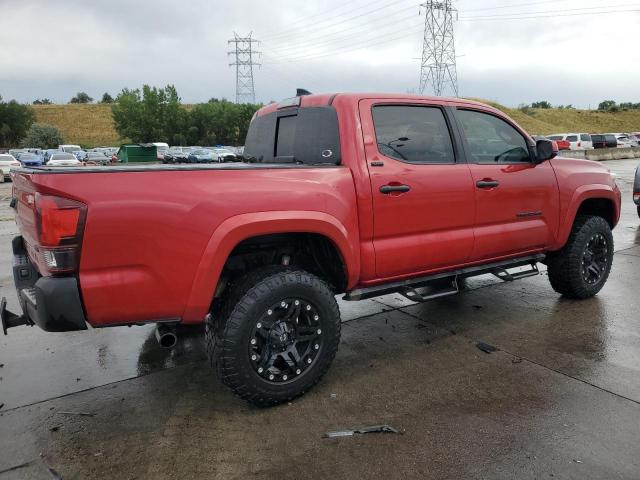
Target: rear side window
491, 140
597, 138
556, 137
585, 138
307, 135
572, 138
413, 134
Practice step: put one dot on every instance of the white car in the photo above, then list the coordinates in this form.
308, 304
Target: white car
63, 160
577, 141
223, 155
625, 141
7, 162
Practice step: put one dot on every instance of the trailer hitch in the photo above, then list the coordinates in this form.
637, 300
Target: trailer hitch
10, 319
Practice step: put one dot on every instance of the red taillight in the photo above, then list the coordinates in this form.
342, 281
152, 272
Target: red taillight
636, 197
60, 223
579, 144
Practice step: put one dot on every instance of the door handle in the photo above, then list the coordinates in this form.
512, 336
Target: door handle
386, 189
487, 183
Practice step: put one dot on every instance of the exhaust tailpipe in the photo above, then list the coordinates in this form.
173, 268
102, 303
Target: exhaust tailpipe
166, 336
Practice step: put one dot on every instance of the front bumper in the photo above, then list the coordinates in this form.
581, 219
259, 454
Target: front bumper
52, 303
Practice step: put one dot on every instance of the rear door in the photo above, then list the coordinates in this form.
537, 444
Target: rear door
421, 186
516, 201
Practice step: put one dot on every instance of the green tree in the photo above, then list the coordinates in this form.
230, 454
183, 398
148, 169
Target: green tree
607, 105
222, 122
151, 115
542, 104
106, 98
81, 97
15, 120
43, 136
43, 101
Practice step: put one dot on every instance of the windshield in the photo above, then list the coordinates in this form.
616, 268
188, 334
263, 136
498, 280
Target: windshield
6, 158
28, 156
71, 149
556, 137
200, 152
62, 156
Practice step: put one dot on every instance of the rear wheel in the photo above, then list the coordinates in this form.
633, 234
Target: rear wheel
582, 267
276, 336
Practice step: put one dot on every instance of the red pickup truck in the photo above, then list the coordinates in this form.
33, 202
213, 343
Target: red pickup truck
354, 194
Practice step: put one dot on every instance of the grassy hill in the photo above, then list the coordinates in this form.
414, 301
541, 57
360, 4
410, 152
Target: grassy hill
87, 125
92, 125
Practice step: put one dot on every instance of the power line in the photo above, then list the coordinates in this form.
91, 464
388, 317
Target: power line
555, 15
552, 11
318, 25
244, 62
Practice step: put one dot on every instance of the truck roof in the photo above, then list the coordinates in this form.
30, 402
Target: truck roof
323, 99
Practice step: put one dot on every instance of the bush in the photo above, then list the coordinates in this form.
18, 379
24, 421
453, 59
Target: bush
43, 136
526, 109
15, 120
44, 101
607, 105
543, 104
81, 97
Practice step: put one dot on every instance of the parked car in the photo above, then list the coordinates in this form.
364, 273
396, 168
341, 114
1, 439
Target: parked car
626, 141
7, 162
223, 155
80, 155
577, 141
49, 152
69, 148
604, 140
562, 144
98, 158
200, 156
30, 159
161, 149
15, 152
63, 160
175, 155
388, 203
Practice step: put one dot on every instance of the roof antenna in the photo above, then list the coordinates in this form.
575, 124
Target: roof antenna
300, 92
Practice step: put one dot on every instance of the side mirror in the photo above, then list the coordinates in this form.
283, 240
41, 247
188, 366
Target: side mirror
546, 150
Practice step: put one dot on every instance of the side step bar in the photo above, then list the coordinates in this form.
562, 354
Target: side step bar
411, 288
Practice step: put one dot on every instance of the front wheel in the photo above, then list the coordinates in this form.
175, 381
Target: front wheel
582, 267
276, 336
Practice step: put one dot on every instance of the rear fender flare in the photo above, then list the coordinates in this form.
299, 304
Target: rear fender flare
238, 228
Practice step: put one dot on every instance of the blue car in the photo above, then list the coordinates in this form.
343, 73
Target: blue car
29, 159
200, 156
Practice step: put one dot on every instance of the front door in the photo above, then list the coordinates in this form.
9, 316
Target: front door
517, 201
422, 190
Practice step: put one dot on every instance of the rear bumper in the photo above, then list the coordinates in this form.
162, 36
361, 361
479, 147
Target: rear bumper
52, 303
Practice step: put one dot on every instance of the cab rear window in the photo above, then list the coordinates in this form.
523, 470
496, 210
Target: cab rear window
307, 135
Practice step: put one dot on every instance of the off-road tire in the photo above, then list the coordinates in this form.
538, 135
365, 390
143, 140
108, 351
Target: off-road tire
229, 329
565, 266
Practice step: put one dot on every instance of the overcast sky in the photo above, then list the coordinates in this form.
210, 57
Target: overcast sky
55, 48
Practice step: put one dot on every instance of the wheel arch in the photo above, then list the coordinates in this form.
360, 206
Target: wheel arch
239, 229
596, 200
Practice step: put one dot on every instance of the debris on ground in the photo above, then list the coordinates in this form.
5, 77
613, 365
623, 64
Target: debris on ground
54, 474
516, 360
55, 429
1, 405
333, 395
485, 347
82, 414
16, 467
477, 307
361, 430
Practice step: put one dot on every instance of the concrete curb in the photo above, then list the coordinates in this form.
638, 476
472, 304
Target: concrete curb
602, 154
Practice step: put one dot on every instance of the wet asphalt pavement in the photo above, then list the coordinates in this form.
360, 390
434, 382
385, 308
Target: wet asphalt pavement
560, 398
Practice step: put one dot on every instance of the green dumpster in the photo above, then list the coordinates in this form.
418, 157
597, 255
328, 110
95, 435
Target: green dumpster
137, 152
